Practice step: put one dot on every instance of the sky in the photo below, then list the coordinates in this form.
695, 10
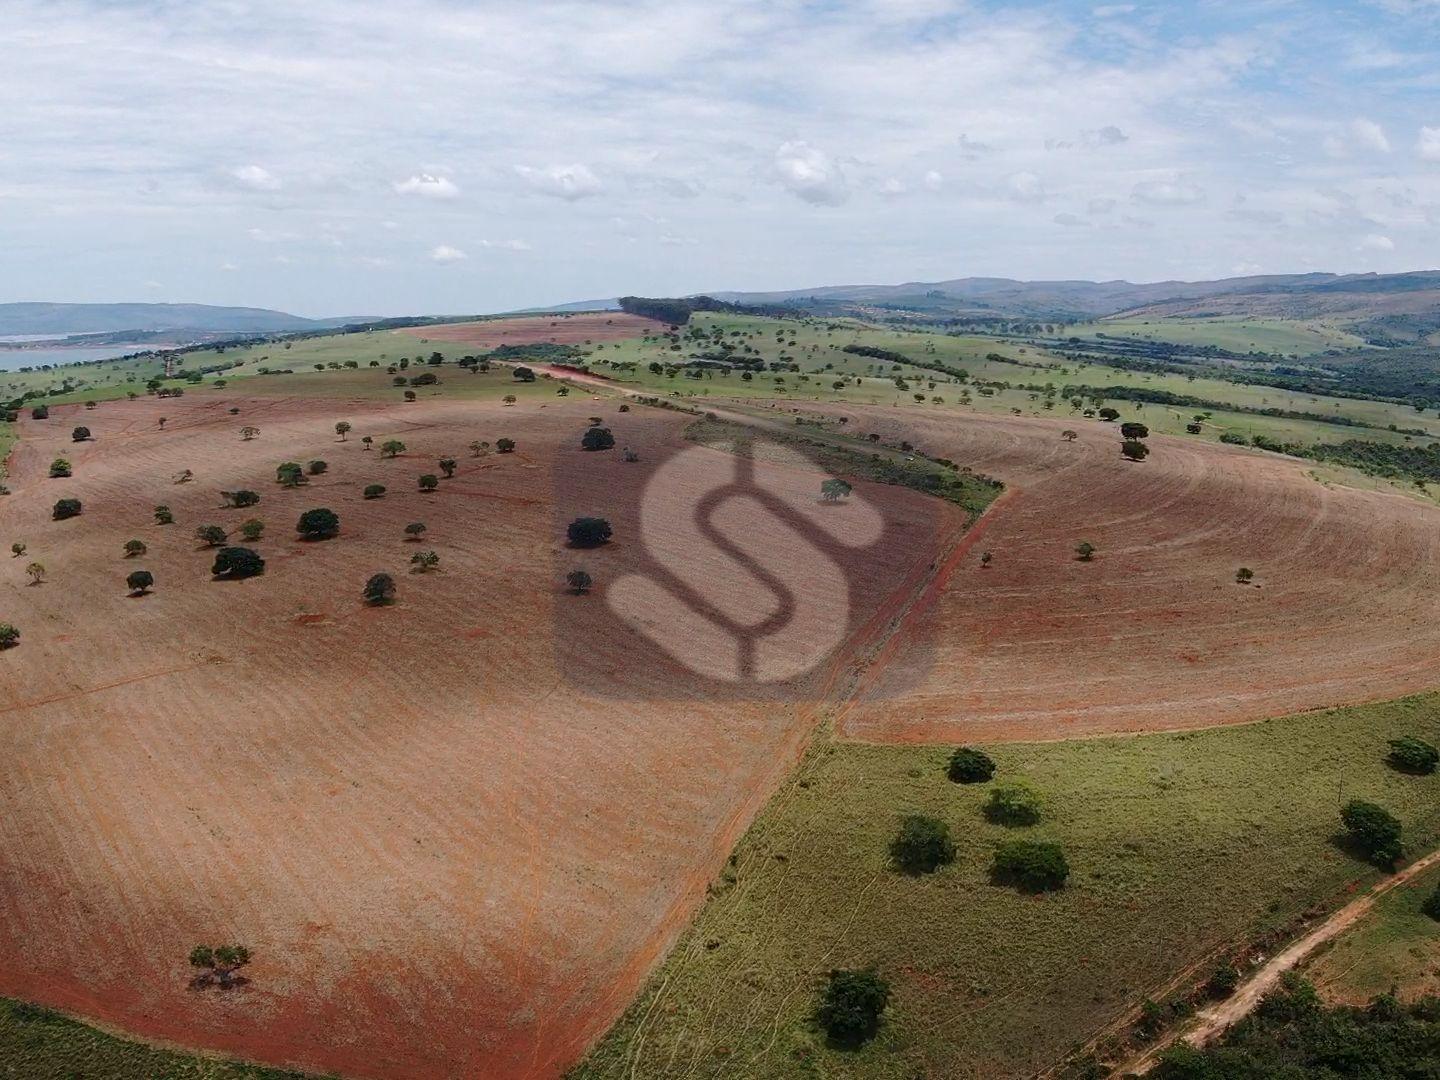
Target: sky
346, 157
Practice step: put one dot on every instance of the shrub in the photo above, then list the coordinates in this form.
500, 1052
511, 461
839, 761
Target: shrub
134, 547
851, 1005
1085, 551
424, 561
9, 635
1109, 415
1033, 865
36, 571
80, 434
1409, 754
212, 535
374, 491
342, 428
1134, 449
429, 482
218, 964
66, 508
318, 524
380, 589
391, 448
237, 562
922, 845
249, 432
139, 581
315, 468
834, 489
17, 549
409, 395
415, 530
1133, 430
579, 581
1223, 981
1374, 830
447, 466
163, 516
970, 766
1233, 439
251, 530
1015, 803
504, 446
1244, 576
290, 474
597, 438
59, 468
40, 412
241, 498
588, 532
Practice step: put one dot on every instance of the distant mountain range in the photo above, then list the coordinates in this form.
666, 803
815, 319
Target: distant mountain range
62, 319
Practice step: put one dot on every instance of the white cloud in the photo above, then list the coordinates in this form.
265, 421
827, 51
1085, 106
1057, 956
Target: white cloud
444, 253
1167, 193
569, 182
1428, 145
1370, 136
505, 245
809, 174
1025, 187
1070, 221
256, 178
1376, 242
932, 180
891, 188
427, 186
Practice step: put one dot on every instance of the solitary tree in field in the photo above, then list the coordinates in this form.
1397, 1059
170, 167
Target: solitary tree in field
249, 432
211, 535
597, 438
1015, 803
163, 516
1244, 576
59, 468
922, 845
36, 571
1412, 755
218, 966
409, 395
479, 448
1033, 865
392, 448
241, 498
834, 489
139, 582
367, 441
588, 532
579, 582
1374, 830
162, 422
66, 508
16, 550
504, 446
1085, 551
380, 589
80, 434
373, 491
318, 524
986, 557
1134, 449
9, 635
509, 399
851, 1006
237, 562
415, 530
970, 766
429, 482
1134, 430
316, 468
1069, 436
447, 466
1109, 415
134, 548
290, 474
342, 428
252, 530
424, 561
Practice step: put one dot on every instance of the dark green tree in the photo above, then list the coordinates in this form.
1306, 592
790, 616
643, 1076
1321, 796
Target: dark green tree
1374, 830
851, 1006
922, 845
1032, 865
970, 766
380, 589
597, 438
318, 524
588, 532
237, 562
139, 582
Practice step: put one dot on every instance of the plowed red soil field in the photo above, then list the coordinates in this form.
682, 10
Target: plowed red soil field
452, 855
556, 329
1154, 633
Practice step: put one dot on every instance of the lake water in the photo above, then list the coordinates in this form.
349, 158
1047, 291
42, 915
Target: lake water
12, 359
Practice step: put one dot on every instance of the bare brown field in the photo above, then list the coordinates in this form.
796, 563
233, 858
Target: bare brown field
1153, 634
449, 858
553, 329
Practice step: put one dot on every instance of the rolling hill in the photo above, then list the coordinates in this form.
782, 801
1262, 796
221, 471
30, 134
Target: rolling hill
47, 318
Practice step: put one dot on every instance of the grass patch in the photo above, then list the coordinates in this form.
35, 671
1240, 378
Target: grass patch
40, 1044
1180, 846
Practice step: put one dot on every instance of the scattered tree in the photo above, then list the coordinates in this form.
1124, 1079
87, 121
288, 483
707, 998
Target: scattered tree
986, 557
252, 529
579, 582
316, 468
290, 474
588, 532
16, 550
834, 489
447, 466
504, 446
374, 491
1430, 907
80, 434
1085, 551
922, 845
851, 1006
1033, 865
1134, 450
1069, 436
249, 432
134, 548
237, 562
211, 535
1223, 981
218, 966
66, 508
970, 766
1109, 415
139, 582
36, 572
1015, 803
163, 516
318, 524
367, 441
1412, 755
59, 468
342, 428
424, 561
1374, 830
1133, 430
1244, 576
9, 635
597, 438
380, 589
415, 530
392, 448
429, 482
479, 448
240, 499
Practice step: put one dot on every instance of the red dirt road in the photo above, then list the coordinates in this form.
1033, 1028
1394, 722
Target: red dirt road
1154, 633
526, 330
449, 857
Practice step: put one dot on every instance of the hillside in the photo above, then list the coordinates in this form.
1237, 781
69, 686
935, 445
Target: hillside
46, 318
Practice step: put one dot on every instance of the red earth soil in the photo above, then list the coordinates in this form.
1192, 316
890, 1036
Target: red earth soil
1154, 633
452, 854
525, 330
